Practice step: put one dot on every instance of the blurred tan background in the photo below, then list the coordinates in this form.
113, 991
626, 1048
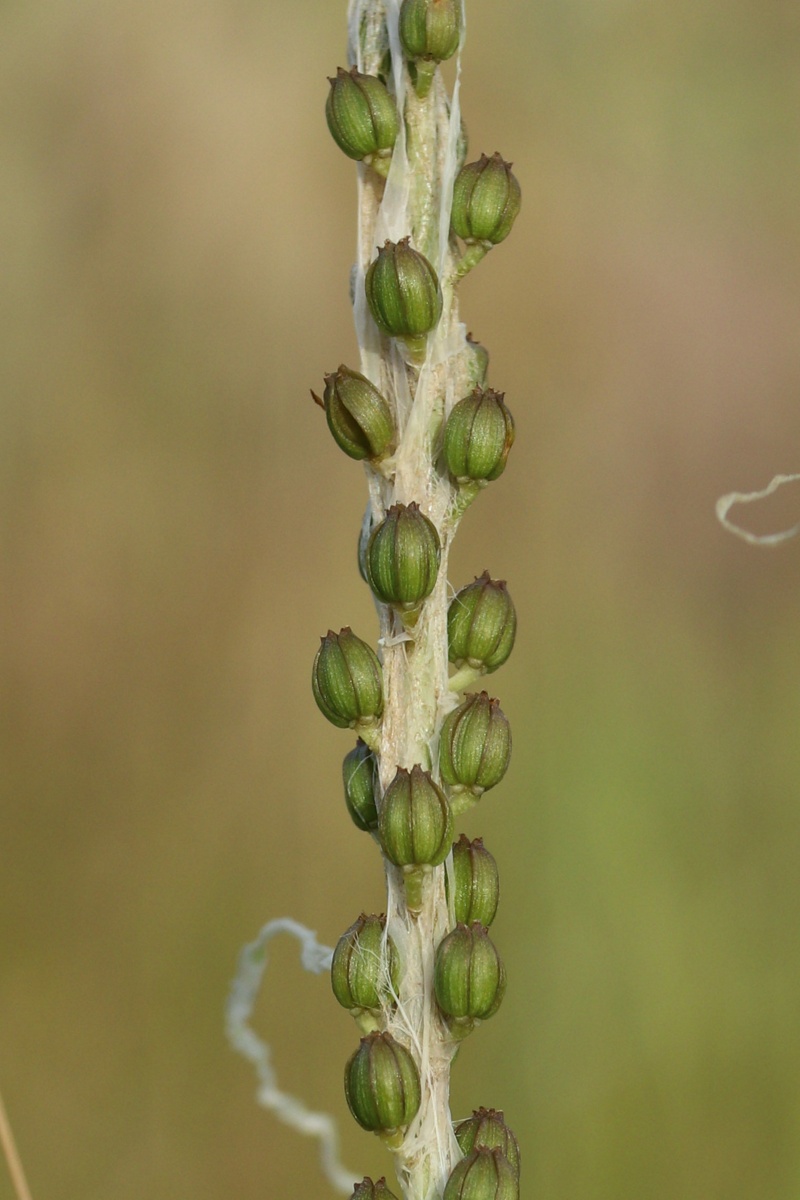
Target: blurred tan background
178, 530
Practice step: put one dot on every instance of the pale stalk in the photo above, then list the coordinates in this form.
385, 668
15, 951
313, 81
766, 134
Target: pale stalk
415, 200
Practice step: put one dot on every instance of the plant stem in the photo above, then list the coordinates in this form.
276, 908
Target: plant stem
416, 693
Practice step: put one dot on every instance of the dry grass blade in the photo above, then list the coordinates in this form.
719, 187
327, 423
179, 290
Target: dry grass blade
12, 1156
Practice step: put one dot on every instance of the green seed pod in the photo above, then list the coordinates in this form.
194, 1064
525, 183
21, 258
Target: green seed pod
469, 976
359, 417
364, 535
367, 1190
475, 745
360, 980
360, 775
347, 680
481, 625
403, 291
487, 1127
479, 367
381, 1084
362, 116
402, 559
483, 1175
415, 823
430, 28
486, 200
478, 436
477, 882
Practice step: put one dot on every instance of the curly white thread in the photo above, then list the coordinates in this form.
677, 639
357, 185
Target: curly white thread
726, 503
241, 1001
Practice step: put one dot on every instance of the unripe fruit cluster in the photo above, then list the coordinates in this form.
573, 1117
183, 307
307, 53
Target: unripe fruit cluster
411, 817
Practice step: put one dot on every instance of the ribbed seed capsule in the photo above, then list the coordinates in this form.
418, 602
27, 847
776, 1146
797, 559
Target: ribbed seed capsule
469, 976
361, 115
481, 625
478, 437
359, 417
415, 823
430, 28
347, 680
483, 1175
487, 1127
479, 366
477, 882
381, 1084
361, 980
486, 200
403, 555
359, 775
367, 1190
475, 745
403, 291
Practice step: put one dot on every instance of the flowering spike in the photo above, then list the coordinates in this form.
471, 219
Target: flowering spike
427, 426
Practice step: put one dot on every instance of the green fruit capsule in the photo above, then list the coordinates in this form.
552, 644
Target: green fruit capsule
469, 976
367, 1190
359, 417
362, 116
381, 1084
479, 365
478, 437
347, 681
483, 1175
486, 200
477, 882
487, 1127
481, 625
362, 977
359, 775
403, 291
403, 555
415, 823
430, 29
475, 745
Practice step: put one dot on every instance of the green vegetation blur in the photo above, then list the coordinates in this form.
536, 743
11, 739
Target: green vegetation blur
178, 529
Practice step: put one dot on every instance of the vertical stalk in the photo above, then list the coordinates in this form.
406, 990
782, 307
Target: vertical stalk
415, 201
431, 436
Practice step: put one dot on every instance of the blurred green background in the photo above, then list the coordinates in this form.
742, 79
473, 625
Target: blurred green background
178, 529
